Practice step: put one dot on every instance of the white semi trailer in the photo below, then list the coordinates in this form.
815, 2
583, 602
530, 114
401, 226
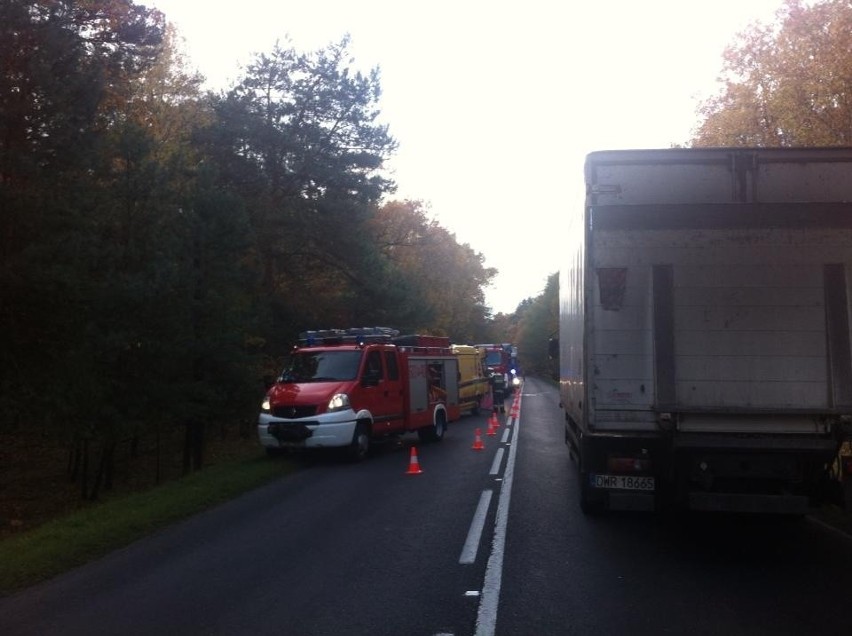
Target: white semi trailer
704, 342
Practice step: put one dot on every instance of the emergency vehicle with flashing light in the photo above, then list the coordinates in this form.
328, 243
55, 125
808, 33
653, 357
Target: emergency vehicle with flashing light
502, 358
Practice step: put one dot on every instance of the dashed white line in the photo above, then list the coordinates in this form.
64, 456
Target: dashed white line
471, 544
498, 459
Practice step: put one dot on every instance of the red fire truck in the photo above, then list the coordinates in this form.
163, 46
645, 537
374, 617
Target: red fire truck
502, 358
344, 388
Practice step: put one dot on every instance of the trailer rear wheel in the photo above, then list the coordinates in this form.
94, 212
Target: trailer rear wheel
588, 504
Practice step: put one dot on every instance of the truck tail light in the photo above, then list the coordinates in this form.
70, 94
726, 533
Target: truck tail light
622, 465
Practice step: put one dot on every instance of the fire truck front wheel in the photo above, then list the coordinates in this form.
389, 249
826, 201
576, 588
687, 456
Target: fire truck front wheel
360, 444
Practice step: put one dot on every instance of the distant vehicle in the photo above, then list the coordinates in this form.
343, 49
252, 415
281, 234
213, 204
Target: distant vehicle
704, 339
344, 388
473, 381
500, 358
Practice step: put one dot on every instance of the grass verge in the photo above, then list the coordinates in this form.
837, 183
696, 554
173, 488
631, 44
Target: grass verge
94, 531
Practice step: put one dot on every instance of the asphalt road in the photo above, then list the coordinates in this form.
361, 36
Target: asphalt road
482, 542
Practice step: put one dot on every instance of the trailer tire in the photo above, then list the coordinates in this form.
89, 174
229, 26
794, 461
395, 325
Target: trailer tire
588, 504
359, 447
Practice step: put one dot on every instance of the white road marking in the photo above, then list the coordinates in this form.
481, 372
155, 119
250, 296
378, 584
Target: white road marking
505, 438
486, 619
828, 527
498, 459
471, 544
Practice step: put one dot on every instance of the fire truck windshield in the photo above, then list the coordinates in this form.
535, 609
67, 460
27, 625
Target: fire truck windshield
493, 358
321, 366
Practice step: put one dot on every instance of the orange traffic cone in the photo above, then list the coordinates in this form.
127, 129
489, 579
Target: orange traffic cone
491, 430
494, 422
477, 441
515, 411
413, 463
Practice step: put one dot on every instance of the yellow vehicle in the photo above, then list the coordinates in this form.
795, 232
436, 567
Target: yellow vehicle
473, 382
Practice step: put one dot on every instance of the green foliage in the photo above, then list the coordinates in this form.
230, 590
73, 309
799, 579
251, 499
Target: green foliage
298, 138
786, 83
538, 322
160, 248
66, 74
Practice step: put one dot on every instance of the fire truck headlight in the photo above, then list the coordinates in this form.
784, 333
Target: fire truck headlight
338, 402
516, 381
265, 406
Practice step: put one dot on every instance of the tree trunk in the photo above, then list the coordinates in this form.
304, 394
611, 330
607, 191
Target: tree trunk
157, 436
84, 477
109, 467
99, 477
187, 446
198, 445
74, 458
193, 445
104, 476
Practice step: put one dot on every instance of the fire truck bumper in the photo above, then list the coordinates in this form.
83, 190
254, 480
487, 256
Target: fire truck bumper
331, 430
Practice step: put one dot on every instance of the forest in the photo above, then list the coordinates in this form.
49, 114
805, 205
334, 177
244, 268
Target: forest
161, 246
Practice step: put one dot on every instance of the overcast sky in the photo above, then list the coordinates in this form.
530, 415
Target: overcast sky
495, 104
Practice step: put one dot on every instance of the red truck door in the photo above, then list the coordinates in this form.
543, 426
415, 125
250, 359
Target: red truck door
381, 389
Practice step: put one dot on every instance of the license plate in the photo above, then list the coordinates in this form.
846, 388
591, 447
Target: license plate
621, 482
289, 432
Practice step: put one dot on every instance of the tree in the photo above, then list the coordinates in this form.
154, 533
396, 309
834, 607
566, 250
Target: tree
67, 69
299, 138
538, 322
788, 83
446, 279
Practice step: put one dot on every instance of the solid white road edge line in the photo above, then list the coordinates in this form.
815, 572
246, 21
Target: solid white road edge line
486, 618
498, 459
471, 544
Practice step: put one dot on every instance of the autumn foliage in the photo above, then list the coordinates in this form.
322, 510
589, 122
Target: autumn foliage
786, 83
161, 246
